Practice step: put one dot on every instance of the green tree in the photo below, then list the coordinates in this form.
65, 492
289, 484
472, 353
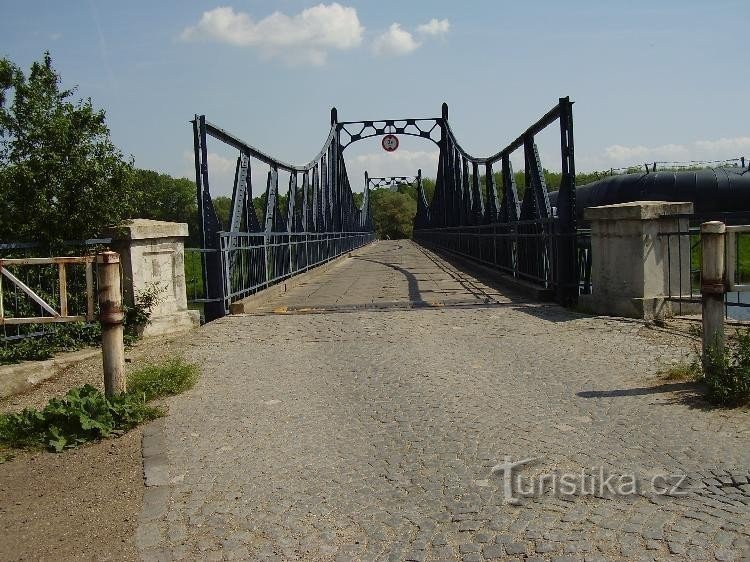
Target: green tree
162, 197
428, 185
358, 199
61, 178
393, 213
223, 208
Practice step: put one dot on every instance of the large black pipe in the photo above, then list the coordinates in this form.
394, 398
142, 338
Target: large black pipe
713, 191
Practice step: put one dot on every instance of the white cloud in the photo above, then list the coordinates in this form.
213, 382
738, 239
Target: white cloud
734, 147
304, 37
220, 171
625, 154
434, 27
402, 162
701, 150
395, 42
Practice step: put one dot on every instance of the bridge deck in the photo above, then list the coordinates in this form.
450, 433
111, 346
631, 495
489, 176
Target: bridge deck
388, 274
330, 430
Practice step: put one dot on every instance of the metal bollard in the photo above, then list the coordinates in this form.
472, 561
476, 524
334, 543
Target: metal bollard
111, 317
713, 284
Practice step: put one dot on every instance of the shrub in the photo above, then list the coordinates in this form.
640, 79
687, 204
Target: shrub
139, 315
727, 373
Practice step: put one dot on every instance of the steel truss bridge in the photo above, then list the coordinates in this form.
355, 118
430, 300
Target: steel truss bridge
392, 182
526, 238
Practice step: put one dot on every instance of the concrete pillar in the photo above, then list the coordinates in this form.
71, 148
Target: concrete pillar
154, 252
634, 267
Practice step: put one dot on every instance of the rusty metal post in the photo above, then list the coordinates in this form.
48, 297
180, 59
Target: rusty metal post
713, 285
111, 317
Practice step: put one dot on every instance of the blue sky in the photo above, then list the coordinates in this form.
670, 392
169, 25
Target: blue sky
651, 80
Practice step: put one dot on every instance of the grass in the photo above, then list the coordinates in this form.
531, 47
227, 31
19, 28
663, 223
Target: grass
165, 379
727, 373
85, 414
193, 274
682, 372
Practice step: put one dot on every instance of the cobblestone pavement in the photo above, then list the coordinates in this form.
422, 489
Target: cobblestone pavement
362, 419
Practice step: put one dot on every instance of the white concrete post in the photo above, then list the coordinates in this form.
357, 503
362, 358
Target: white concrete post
640, 258
111, 317
713, 284
152, 252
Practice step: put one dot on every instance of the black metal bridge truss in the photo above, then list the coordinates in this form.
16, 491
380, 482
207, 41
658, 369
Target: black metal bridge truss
392, 182
321, 220
525, 238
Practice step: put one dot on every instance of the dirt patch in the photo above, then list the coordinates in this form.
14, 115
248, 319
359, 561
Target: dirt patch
77, 505
81, 504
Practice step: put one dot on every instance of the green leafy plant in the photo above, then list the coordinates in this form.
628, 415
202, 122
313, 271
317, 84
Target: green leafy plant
138, 316
726, 372
85, 414
65, 337
165, 379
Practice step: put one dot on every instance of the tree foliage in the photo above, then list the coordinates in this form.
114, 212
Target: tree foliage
223, 208
162, 197
393, 213
61, 178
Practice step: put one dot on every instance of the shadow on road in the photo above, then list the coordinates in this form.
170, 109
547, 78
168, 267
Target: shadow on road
691, 394
667, 387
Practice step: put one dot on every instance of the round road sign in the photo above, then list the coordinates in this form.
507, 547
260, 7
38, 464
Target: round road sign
390, 143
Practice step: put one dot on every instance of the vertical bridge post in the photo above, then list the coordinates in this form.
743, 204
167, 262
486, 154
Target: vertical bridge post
567, 261
713, 285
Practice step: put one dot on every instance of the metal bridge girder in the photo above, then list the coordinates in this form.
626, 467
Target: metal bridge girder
524, 238
492, 211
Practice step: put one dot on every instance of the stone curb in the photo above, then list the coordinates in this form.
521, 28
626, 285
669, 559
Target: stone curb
156, 492
15, 379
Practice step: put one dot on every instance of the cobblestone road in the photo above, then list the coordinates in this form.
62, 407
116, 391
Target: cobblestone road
361, 416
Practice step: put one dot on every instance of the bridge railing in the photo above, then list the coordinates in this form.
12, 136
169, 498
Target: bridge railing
524, 250
39, 291
315, 221
526, 236
684, 265
263, 259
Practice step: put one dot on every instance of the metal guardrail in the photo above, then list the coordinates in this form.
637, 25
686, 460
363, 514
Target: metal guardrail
255, 261
524, 250
60, 294
734, 255
526, 237
684, 270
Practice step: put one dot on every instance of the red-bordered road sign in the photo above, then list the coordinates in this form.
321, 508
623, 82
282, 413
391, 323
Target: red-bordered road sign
390, 143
